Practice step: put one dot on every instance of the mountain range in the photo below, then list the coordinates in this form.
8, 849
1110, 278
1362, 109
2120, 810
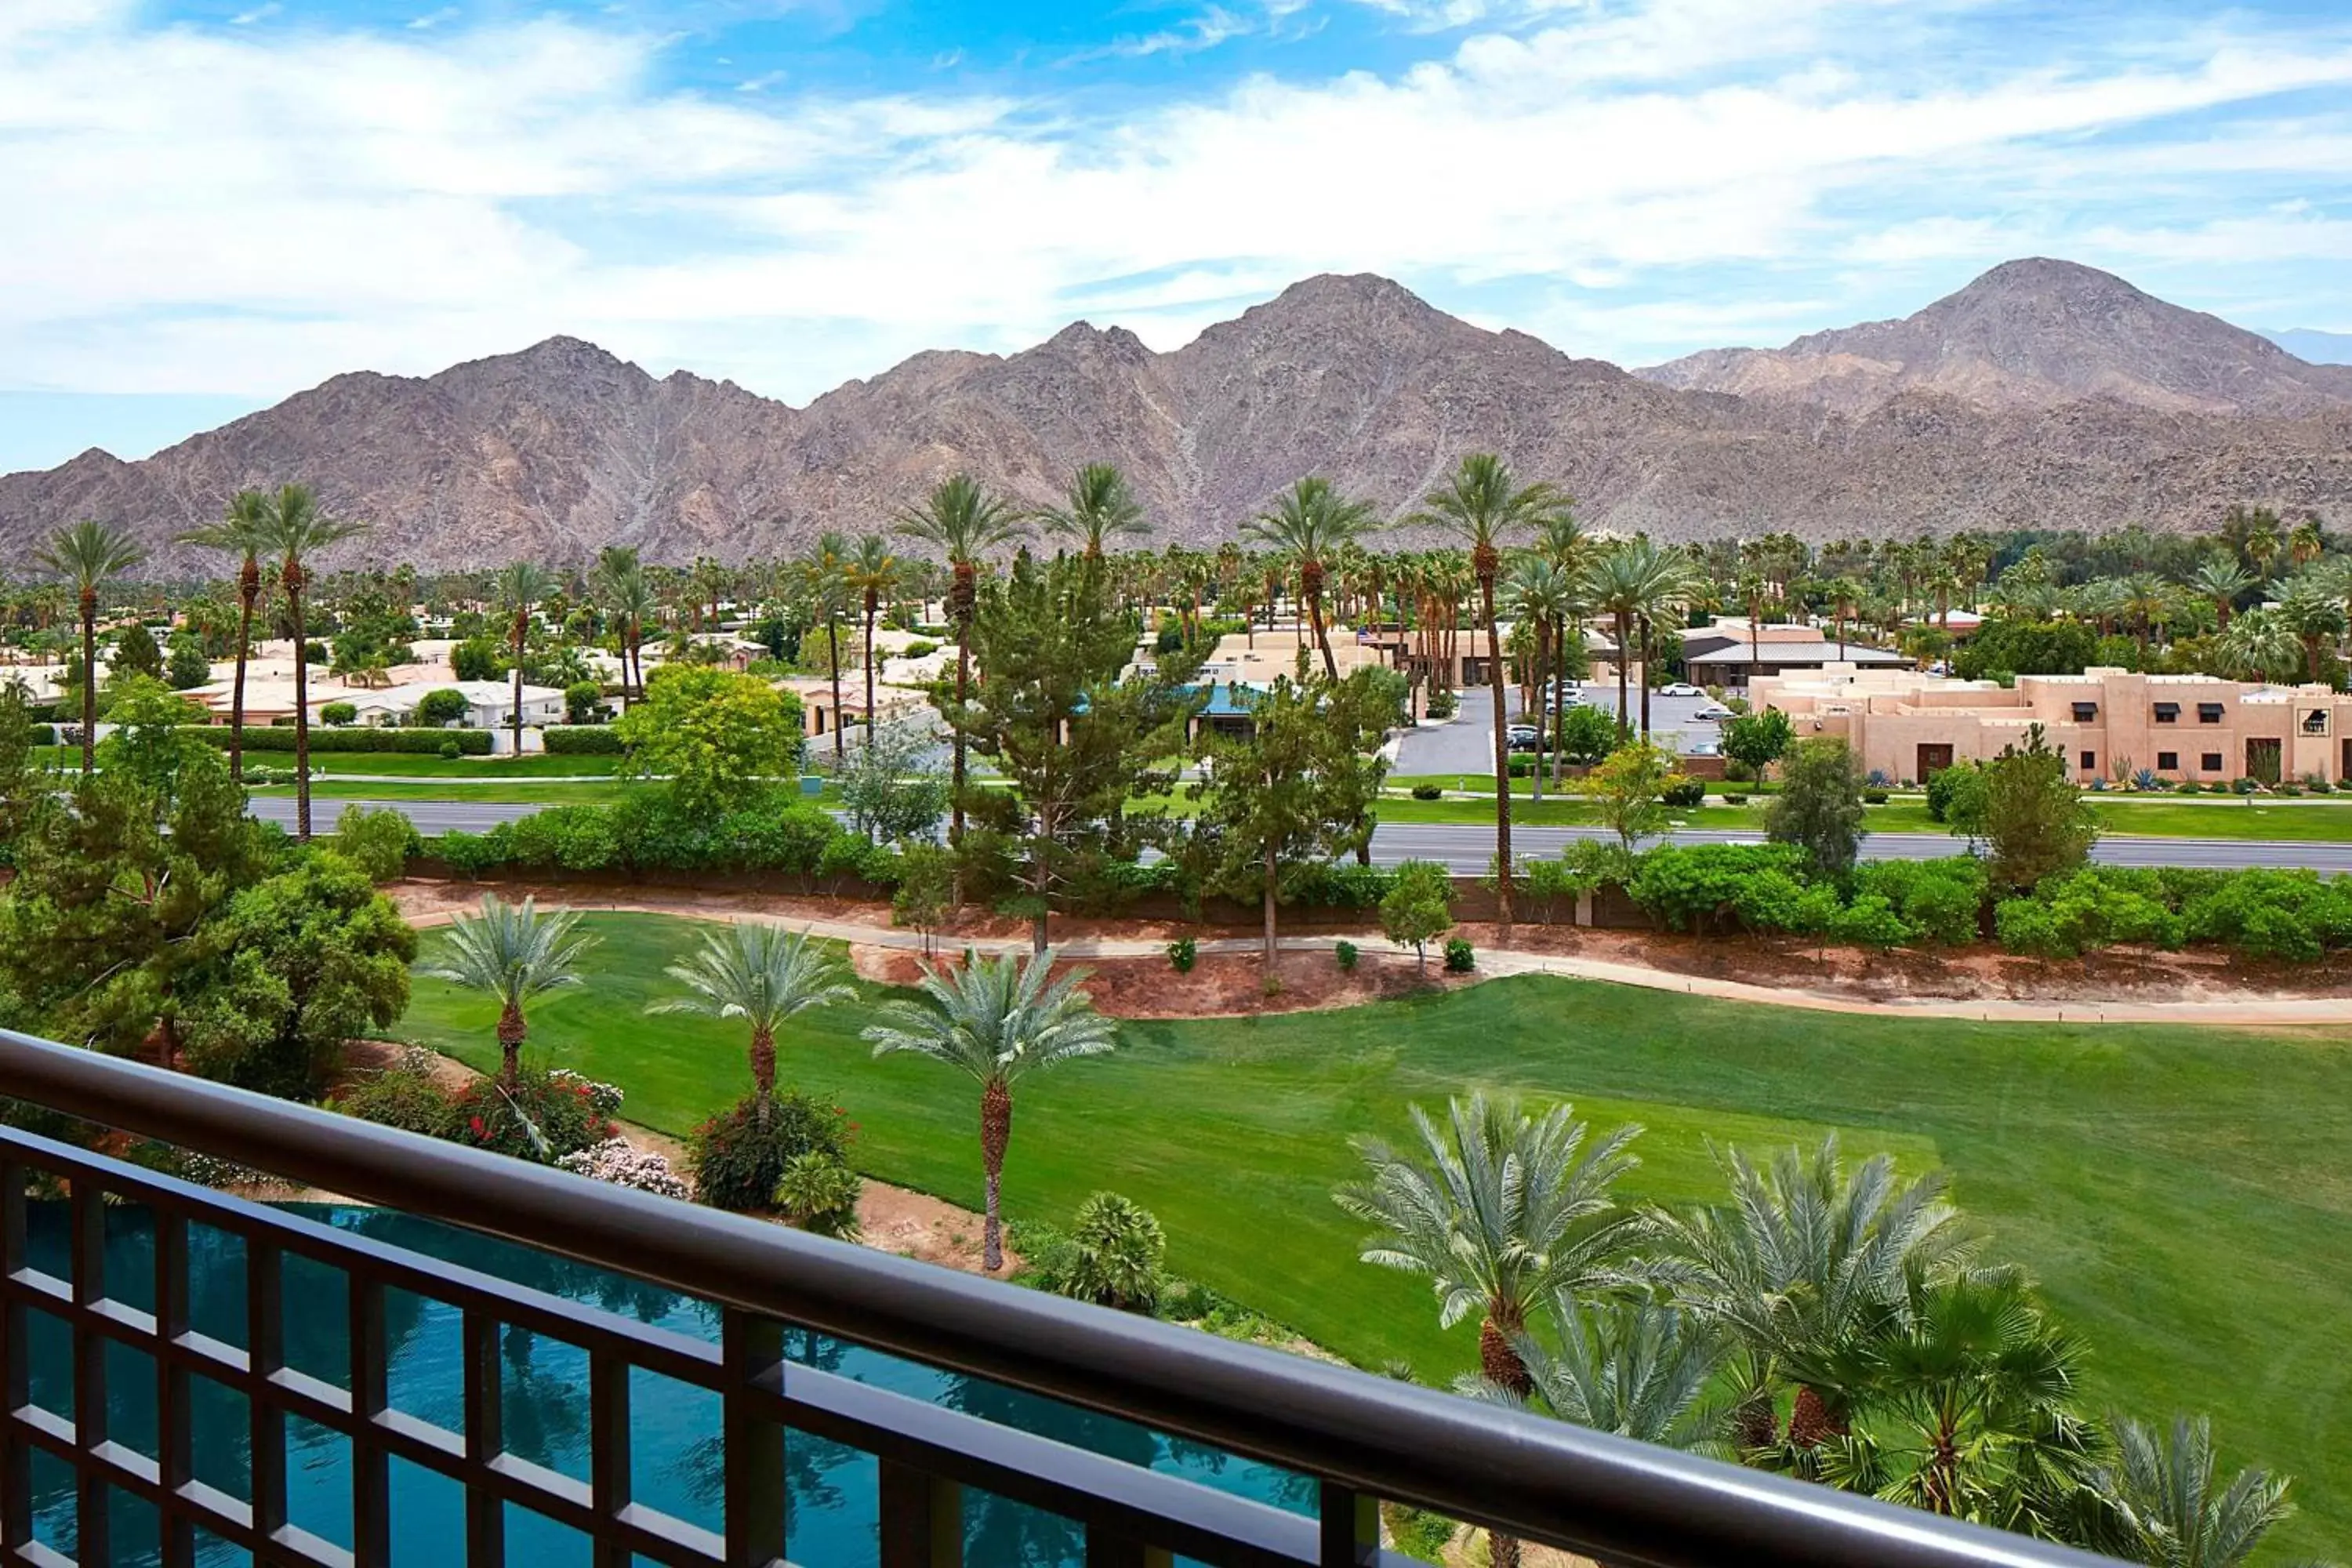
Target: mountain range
2043, 394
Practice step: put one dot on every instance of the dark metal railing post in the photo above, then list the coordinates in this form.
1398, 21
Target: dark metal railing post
608, 1452
486, 1518
370, 1396
16, 1371
90, 1513
921, 1517
753, 1348
265, 1353
1351, 1526
175, 1445
1106, 1549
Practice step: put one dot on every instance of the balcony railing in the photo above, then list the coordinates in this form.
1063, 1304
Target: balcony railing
1359, 1438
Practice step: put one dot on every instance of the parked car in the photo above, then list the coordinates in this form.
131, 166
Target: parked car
1713, 713
1522, 737
1680, 688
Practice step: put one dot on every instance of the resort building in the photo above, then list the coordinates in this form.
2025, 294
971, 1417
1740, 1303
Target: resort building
1731, 649
819, 716
2110, 724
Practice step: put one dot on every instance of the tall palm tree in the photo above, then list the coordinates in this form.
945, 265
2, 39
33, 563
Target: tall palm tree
1801, 1256
1636, 1369
2259, 646
996, 1020
620, 588
2160, 1505
1504, 1212
1307, 526
964, 521
513, 953
293, 528
242, 533
1483, 505
1632, 582
85, 555
874, 571
764, 975
2146, 601
824, 578
2220, 579
1539, 595
520, 588
2312, 610
1098, 509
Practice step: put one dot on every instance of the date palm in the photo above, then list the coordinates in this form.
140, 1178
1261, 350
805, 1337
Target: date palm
2311, 609
1098, 509
1541, 596
764, 975
824, 578
1804, 1254
2258, 646
620, 588
2222, 580
2158, 1503
1483, 506
1636, 1369
964, 521
2146, 602
874, 571
997, 1020
520, 588
513, 953
85, 555
1308, 526
1632, 582
294, 527
1504, 1212
241, 534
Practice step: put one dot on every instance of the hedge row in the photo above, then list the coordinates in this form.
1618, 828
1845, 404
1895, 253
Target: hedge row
647, 832
422, 743
583, 739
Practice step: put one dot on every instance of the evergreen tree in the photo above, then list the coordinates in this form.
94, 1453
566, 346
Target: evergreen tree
1819, 809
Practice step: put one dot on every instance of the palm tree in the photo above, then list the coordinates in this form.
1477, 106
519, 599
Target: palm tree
1097, 509
2159, 1504
2258, 646
1632, 582
242, 533
619, 586
1483, 506
86, 555
1540, 596
513, 953
1308, 526
1803, 1254
292, 528
2103, 600
2220, 579
997, 1020
2312, 610
1636, 1369
763, 975
824, 575
1504, 1212
2145, 603
873, 571
965, 523
520, 588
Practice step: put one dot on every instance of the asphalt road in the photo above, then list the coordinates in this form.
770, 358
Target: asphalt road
1468, 849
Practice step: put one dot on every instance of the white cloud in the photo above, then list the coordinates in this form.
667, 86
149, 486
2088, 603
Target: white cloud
253, 212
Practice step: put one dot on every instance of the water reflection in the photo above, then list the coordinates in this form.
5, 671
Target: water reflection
675, 1444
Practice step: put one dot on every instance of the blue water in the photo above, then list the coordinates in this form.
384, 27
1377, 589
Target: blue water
675, 1429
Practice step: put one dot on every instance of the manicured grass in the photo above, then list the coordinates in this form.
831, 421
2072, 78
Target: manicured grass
404, 764
521, 792
2181, 1193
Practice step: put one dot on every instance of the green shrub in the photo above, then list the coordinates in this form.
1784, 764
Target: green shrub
2289, 916
1347, 953
405, 1095
1182, 954
1941, 901
1701, 886
416, 742
1944, 787
1460, 958
1869, 921
1112, 1255
1735, 800
449, 751
579, 700
549, 1114
1874, 798
582, 741
1341, 885
1427, 791
2085, 910
441, 706
818, 1193
378, 842
738, 1161
1684, 792
1443, 704
1418, 1533
339, 714
2186, 787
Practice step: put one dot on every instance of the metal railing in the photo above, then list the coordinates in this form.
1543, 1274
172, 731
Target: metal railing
1359, 1438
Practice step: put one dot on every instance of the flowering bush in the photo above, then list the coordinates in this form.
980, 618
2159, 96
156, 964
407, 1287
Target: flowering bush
603, 1099
617, 1161
737, 1160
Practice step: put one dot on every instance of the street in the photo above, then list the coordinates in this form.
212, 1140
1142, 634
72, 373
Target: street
1468, 849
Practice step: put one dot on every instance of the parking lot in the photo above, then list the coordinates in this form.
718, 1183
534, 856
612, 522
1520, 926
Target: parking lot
1465, 746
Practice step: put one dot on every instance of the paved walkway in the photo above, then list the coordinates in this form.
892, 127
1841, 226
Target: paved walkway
2319, 1011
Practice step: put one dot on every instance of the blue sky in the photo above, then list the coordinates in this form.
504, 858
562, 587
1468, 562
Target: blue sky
216, 203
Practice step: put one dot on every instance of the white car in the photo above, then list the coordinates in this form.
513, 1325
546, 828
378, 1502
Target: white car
1713, 713
1680, 688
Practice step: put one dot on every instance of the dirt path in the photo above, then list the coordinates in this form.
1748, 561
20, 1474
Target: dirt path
2184, 989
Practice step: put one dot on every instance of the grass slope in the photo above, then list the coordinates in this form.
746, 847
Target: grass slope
2180, 1192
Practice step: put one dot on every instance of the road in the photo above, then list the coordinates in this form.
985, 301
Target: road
1468, 849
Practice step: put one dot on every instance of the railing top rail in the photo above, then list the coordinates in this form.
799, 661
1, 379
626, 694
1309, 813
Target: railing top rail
1620, 1502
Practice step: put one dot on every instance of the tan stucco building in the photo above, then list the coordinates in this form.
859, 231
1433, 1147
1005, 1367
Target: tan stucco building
2110, 724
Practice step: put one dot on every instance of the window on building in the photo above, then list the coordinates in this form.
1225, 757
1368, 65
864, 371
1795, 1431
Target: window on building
2167, 762
2086, 711
2315, 722
2211, 761
2167, 712
2090, 762
2209, 712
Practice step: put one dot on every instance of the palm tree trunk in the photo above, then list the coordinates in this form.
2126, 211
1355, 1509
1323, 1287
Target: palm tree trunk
1558, 700
249, 589
515, 718
1315, 616
1502, 766
996, 1134
89, 680
763, 1069
1269, 902
293, 579
511, 1031
1536, 706
869, 667
833, 657
1644, 623
1625, 669
1501, 1365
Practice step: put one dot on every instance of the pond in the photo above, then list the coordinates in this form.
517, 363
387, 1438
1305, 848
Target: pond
675, 1435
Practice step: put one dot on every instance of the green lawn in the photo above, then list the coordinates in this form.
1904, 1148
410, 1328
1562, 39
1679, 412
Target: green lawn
520, 792
2181, 1194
